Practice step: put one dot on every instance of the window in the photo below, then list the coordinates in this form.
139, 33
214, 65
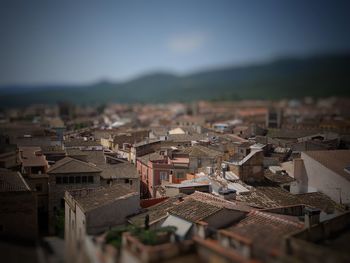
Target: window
39, 187
90, 179
71, 180
83, 179
78, 179
163, 176
65, 180
126, 181
130, 182
58, 180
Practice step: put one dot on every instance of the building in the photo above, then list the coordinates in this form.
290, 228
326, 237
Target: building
274, 118
34, 166
249, 169
203, 158
143, 148
93, 211
69, 174
117, 141
259, 235
322, 242
18, 208
113, 170
324, 171
157, 167
33, 161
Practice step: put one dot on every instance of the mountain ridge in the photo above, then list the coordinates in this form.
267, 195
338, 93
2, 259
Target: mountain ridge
317, 76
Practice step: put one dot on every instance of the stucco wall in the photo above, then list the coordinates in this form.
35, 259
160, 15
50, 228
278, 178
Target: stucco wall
326, 181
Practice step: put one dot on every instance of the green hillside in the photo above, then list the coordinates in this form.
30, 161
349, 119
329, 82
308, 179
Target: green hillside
285, 78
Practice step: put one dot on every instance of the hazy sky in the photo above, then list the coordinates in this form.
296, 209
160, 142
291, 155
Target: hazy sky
85, 41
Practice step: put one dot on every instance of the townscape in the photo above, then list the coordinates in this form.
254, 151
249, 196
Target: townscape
207, 181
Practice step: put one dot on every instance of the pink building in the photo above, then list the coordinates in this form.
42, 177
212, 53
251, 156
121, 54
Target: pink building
157, 167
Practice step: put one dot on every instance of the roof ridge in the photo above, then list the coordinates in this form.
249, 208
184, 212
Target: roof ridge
66, 160
212, 198
273, 216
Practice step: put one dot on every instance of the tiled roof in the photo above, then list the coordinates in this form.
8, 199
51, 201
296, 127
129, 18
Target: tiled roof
193, 210
52, 149
71, 165
155, 212
219, 202
151, 157
11, 181
271, 197
77, 143
290, 134
102, 196
319, 200
278, 178
199, 206
186, 137
149, 141
201, 151
335, 160
194, 207
32, 156
265, 230
233, 138
95, 157
120, 170
76, 152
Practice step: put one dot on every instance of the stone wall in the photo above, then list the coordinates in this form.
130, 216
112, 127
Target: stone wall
18, 215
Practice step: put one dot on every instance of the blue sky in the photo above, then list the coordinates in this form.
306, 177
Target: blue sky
51, 42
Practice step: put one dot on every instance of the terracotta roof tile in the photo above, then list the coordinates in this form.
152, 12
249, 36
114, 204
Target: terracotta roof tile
266, 231
11, 181
101, 196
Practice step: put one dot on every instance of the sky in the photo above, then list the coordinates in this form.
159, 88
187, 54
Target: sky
77, 42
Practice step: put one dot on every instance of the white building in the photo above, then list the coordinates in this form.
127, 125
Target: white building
324, 171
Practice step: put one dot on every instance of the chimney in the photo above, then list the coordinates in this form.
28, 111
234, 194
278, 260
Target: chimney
300, 175
223, 170
227, 194
180, 199
312, 216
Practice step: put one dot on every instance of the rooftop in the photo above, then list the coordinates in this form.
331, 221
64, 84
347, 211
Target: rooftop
278, 178
265, 230
271, 197
90, 200
32, 156
186, 137
151, 157
201, 151
120, 170
155, 212
78, 142
71, 165
193, 210
11, 181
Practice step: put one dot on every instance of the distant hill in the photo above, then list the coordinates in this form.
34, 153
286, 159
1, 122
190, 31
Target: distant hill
317, 76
